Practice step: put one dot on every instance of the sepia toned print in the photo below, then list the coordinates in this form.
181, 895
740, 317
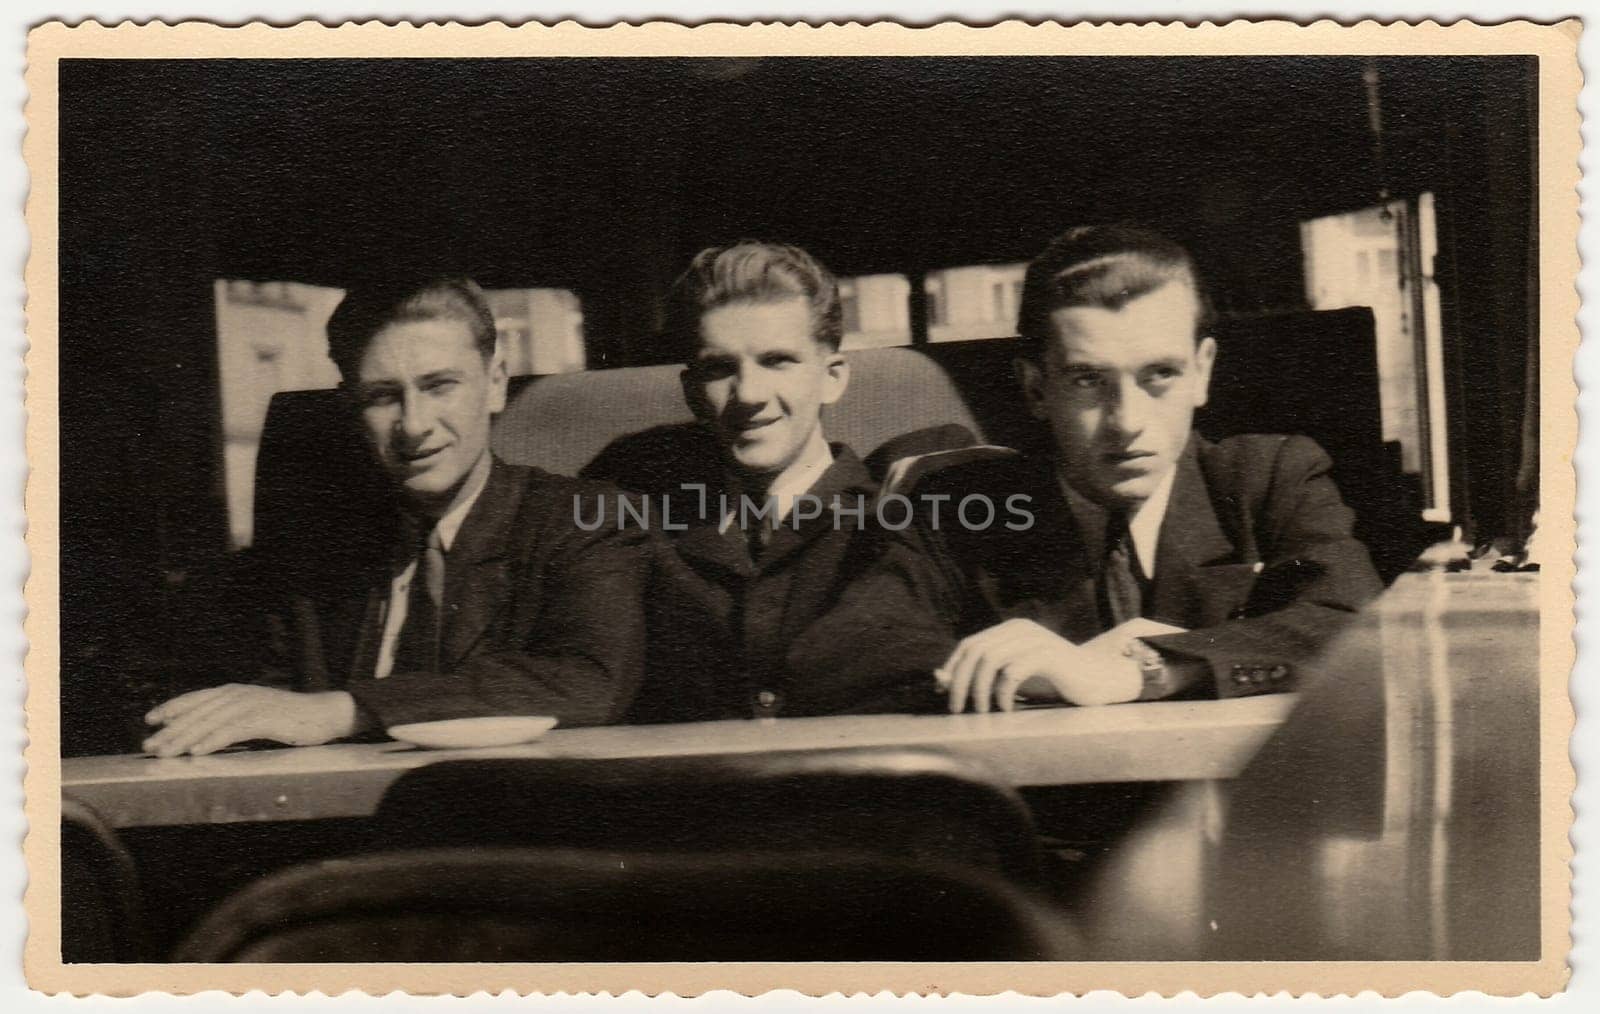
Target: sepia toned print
950, 510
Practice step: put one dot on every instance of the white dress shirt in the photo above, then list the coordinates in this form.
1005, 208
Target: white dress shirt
1144, 524
791, 483
798, 478
394, 612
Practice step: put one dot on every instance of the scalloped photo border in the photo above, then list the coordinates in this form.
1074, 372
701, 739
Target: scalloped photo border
1558, 175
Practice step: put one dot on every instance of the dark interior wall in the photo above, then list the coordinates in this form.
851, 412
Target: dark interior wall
606, 175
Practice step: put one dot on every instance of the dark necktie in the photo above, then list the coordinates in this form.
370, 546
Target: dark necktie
1121, 580
418, 647
758, 537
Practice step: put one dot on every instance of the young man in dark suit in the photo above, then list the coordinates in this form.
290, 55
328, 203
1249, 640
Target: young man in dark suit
759, 326
1153, 563
491, 601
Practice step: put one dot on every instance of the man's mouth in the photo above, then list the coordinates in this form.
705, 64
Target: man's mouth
1126, 457
420, 457
752, 425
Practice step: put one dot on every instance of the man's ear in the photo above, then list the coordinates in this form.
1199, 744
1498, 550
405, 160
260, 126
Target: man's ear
694, 394
497, 380
1030, 378
837, 379
1205, 356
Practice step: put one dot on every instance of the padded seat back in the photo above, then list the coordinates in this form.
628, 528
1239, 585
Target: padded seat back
101, 911
507, 905
908, 804
561, 422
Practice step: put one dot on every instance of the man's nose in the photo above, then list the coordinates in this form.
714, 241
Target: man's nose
751, 387
416, 416
1129, 409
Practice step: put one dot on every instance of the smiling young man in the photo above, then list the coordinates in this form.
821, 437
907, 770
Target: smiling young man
759, 550
492, 602
1158, 563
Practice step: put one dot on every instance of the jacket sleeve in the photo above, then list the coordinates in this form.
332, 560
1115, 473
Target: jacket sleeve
1315, 576
876, 650
579, 657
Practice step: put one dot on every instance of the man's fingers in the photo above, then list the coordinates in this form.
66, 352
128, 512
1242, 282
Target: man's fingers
183, 703
983, 681
963, 667
200, 712
179, 736
960, 669
991, 664
227, 734
1005, 687
980, 656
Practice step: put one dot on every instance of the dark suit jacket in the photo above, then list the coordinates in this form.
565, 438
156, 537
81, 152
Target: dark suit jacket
720, 621
540, 617
1245, 501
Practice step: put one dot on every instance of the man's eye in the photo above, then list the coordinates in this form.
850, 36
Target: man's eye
375, 398
777, 361
713, 369
440, 386
1162, 375
1085, 380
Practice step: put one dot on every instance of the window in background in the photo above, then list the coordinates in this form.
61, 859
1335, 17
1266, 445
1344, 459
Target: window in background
979, 301
273, 336
1383, 258
541, 330
876, 310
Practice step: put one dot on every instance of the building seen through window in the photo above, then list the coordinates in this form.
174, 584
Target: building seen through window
1382, 257
876, 311
977, 301
273, 336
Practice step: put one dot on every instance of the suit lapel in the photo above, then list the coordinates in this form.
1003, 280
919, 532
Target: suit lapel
707, 542
478, 567
847, 478
1043, 573
1191, 540
369, 637
1068, 547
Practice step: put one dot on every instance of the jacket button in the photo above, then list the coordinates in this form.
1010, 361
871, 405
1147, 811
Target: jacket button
1278, 673
766, 704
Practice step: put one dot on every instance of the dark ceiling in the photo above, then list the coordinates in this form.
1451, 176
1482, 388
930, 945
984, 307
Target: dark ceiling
549, 171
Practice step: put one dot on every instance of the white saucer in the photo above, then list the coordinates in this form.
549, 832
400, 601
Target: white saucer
465, 733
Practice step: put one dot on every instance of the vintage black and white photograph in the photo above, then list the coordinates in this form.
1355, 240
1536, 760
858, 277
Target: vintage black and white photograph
1043, 505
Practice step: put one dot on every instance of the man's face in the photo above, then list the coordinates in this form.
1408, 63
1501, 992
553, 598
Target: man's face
426, 395
1118, 389
760, 380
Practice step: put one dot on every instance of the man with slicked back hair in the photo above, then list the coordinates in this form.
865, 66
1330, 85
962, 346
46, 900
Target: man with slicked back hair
1158, 564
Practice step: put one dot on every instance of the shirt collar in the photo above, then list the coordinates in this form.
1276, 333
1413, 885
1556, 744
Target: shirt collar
450, 524
1144, 524
800, 476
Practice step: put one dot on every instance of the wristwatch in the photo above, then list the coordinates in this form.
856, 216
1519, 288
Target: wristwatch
1157, 679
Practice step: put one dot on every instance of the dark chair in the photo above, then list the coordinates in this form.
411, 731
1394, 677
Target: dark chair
459, 905
908, 804
100, 906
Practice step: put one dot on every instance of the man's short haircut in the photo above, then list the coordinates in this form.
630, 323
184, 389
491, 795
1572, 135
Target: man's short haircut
1104, 266
752, 272
366, 310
